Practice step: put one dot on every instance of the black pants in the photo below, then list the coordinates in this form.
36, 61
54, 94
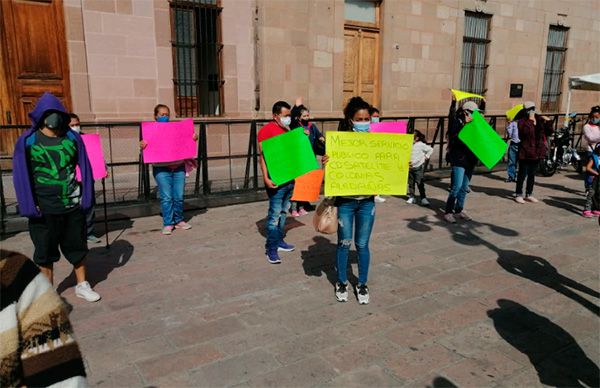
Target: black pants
527, 168
51, 231
415, 176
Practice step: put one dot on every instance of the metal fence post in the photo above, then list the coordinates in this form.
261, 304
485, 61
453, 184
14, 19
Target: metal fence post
204, 159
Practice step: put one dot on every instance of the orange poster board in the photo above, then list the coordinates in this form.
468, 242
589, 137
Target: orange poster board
308, 186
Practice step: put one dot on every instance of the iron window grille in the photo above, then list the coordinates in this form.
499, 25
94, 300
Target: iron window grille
554, 69
197, 57
474, 53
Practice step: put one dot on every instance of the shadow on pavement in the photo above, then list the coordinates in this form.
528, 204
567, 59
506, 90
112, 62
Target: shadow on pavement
100, 262
319, 259
442, 382
554, 353
571, 204
542, 272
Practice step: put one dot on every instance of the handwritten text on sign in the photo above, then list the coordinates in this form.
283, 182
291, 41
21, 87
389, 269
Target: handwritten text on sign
367, 163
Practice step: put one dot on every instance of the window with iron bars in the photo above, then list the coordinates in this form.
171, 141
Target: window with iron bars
197, 48
474, 52
554, 69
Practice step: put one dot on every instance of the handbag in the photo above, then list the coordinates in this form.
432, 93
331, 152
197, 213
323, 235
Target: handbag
325, 219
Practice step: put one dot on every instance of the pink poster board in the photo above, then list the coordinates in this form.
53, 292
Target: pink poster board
169, 142
93, 147
389, 127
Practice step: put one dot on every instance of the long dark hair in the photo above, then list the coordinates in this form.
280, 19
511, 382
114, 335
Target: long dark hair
354, 105
419, 136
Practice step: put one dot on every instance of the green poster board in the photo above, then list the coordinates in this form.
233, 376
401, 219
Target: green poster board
483, 141
289, 156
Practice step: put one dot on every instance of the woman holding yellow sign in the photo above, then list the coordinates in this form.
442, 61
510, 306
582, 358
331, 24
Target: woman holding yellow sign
359, 210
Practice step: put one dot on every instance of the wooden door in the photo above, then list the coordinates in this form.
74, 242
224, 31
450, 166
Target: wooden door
361, 65
34, 60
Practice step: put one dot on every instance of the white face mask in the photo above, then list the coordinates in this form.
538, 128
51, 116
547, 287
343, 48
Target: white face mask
286, 121
76, 128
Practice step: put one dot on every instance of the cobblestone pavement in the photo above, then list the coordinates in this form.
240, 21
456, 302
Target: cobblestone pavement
508, 299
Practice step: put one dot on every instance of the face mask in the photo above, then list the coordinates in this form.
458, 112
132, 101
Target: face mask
162, 119
374, 119
286, 121
361, 126
304, 122
54, 121
596, 121
76, 128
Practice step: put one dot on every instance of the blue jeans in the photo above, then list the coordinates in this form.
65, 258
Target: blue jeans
171, 183
513, 155
361, 212
279, 204
460, 179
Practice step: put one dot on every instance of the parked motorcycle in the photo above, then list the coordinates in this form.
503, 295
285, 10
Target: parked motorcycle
560, 152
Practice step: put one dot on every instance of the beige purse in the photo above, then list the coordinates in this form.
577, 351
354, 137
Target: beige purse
325, 219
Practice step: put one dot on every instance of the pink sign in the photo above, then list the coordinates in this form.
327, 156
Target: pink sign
389, 127
169, 142
93, 147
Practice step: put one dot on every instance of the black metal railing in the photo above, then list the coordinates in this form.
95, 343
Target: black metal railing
227, 157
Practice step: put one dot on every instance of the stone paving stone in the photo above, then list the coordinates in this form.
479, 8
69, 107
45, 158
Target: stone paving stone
307, 373
177, 362
234, 370
203, 306
371, 376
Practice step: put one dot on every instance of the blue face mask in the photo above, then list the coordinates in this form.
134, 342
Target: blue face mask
361, 126
374, 119
596, 121
162, 119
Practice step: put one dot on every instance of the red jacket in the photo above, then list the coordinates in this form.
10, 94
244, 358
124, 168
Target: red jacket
533, 138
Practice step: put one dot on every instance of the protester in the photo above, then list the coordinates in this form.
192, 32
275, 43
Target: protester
38, 347
592, 186
48, 193
359, 210
513, 151
170, 178
591, 130
90, 215
533, 130
461, 159
301, 119
374, 112
279, 195
421, 152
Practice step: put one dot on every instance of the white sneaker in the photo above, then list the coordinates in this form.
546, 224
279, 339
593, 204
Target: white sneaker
464, 216
411, 200
379, 199
519, 199
362, 293
425, 202
341, 292
531, 199
84, 290
449, 217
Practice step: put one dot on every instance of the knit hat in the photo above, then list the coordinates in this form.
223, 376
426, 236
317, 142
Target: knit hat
470, 105
528, 104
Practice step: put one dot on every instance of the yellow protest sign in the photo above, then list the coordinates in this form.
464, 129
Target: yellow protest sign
367, 163
460, 95
512, 112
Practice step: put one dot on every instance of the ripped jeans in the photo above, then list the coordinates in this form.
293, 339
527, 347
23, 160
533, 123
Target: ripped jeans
362, 213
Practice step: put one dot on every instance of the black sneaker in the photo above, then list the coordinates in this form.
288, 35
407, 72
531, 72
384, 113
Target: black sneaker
341, 292
362, 293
